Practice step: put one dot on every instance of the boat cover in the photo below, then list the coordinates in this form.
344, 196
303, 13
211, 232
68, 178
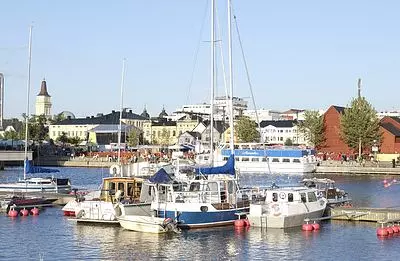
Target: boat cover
161, 176
34, 169
227, 168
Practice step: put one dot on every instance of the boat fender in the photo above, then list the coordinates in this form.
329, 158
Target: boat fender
115, 170
80, 214
275, 210
118, 211
167, 221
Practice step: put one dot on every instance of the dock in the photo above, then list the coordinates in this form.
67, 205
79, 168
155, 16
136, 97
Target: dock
365, 214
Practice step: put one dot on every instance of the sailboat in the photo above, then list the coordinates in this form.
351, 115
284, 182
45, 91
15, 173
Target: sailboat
214, 197
35, 184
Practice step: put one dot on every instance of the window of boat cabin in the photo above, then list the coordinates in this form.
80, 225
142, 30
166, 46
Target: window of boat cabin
311, 197
255, 159
111, 187
290, 197
274, 196
121, 186
286, 160
275, 160
194, 186
265, 159
225, 158
245, 159
231, 187
236, 147
303, 197
213, 187
296, 160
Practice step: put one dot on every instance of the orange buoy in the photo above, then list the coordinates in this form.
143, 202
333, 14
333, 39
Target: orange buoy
35, 211
316, 226
246, 222
239, 223
12, 213
24, 212
307, 227
382, 232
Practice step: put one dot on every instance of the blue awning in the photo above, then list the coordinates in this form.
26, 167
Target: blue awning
227, 168
161, 176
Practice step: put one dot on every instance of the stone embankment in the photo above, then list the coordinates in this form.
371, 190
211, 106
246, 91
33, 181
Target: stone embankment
353, 168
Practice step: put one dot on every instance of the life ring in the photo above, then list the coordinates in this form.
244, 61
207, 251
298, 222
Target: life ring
282, 195
115, 170
275, 209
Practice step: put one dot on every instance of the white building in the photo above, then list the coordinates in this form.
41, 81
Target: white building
277, 132
392, 113
221, 108
263, 115
43, 101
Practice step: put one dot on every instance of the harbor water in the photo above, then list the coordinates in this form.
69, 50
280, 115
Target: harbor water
51, 236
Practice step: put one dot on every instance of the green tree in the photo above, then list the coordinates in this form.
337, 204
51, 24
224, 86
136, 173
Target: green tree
312, 127
37, 129
63, 138
74, 141
133, 137
359, 125
246, 130
57, 118
11, 135
163, 140
288, 142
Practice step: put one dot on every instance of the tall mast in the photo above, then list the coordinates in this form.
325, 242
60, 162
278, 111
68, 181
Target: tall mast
230, 77
120, 111
28, 88
212, 81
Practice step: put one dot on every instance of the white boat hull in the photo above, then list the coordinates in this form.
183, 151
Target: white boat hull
143, 224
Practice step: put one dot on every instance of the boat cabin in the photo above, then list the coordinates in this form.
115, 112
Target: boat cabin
129, 187
291, 194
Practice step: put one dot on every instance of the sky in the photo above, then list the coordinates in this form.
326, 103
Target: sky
300, 54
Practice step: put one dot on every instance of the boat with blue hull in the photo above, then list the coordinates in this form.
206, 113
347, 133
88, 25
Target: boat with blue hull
212, 199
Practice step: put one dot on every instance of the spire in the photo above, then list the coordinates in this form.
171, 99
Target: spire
145, 113
43, 89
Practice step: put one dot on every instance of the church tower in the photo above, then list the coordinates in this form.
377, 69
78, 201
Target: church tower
43, 101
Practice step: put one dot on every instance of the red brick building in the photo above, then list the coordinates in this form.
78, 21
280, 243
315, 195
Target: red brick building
333, 142
390, 127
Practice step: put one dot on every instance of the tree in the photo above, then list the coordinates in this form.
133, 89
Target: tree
11, 135
63, 138
359, 125
38, 131
163, 139
246, 130
288, 142
312, 127
74, 141
133, 137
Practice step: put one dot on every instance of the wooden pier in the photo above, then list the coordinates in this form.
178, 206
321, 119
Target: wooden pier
365, 214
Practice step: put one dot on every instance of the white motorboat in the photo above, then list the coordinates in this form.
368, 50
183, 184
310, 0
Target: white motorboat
328, 189
286, 207
139, 217
49, 184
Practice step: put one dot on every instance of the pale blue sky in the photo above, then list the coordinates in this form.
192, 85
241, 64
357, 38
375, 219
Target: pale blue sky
301, 54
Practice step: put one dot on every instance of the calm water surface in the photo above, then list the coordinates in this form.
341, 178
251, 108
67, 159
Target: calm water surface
51, 236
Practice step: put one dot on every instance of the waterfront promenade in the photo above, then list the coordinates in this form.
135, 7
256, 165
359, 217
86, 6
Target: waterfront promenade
326, 167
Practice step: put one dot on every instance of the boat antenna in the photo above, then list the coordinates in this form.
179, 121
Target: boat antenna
28, 88
120, 113
212, 81
251, 91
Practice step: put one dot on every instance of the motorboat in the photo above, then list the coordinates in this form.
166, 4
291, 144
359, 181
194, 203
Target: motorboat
98, 207
328, 189
139, 217
211, 199
18, 202
284, 207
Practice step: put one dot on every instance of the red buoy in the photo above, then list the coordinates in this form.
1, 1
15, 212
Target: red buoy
35, 211
239, 223
389, 230
307, 227
395, 229
24, 212
12, 213
316, 226
382, 232
246, 222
